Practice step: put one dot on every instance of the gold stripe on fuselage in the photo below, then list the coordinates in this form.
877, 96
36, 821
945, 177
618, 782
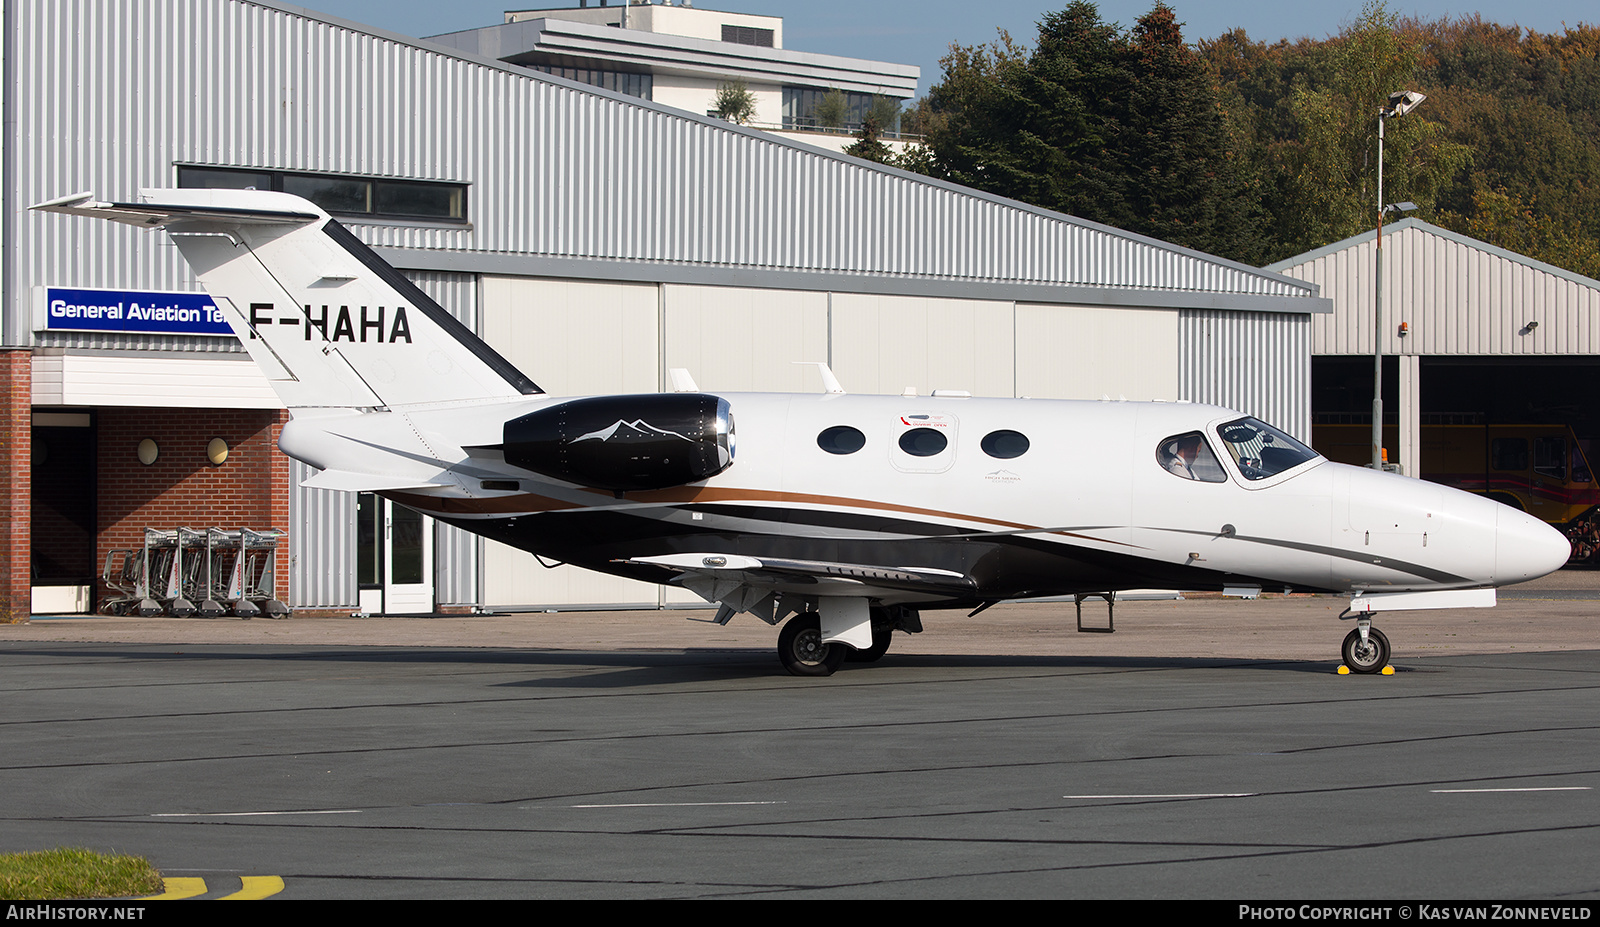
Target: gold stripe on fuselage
534, 503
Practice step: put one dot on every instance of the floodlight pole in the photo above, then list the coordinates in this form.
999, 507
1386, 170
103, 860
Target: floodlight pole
1400, 103
1377, 318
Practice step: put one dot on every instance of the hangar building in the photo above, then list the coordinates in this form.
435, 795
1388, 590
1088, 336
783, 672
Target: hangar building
596, 239
1490, 365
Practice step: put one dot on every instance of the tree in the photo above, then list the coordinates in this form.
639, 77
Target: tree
1121, 128
1503, 219
831, 110
1259, 152
886, 110
867, 145
734, 102
1333, 162
1190, 188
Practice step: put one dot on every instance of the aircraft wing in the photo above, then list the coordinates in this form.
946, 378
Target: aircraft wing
758, 584
910, 579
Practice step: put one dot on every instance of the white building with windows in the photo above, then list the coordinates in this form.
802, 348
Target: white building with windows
680, 55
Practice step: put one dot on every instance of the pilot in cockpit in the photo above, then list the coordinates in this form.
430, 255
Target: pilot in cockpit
1181, 459
1188, 456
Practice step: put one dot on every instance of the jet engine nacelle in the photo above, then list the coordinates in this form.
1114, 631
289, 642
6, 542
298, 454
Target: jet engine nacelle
624, 443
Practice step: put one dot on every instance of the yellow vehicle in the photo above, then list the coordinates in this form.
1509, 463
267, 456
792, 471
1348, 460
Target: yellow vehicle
1540, 469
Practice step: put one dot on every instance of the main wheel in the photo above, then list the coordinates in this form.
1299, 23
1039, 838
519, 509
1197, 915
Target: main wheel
1369, 657
802, 651
880, 645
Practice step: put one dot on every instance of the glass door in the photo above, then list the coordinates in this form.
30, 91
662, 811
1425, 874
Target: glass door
394, 552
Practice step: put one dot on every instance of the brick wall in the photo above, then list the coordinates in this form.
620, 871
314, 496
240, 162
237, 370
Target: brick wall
182, 488
16, 401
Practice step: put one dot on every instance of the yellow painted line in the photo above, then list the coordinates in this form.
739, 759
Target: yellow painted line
178, 888
256, 887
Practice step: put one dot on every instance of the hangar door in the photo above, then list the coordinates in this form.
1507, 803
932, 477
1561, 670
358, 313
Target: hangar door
1085, 352
581, 338
573, 338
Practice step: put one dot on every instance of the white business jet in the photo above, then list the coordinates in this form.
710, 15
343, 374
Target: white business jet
850, 513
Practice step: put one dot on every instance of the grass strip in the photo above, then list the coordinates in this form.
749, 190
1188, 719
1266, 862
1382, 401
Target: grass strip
73, 872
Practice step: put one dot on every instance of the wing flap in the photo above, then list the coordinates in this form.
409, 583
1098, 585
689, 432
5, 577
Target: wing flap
774, 570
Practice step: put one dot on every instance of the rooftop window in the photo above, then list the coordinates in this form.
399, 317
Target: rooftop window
746, 35
634, 85
808, 108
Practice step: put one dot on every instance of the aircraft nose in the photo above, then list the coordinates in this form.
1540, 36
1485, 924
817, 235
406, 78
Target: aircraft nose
1526, 548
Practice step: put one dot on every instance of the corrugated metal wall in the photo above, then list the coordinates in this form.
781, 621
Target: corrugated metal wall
1258, 363
120, 91
322, 534
322, 544
457, 554
1455, 296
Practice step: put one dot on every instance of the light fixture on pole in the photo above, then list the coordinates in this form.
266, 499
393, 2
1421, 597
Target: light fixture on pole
1400, 103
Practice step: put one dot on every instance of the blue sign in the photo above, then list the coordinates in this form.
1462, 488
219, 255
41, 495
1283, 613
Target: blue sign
131, 311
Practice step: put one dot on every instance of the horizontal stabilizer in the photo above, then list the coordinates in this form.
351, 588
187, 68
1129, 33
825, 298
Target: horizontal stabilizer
346, 481
154, 215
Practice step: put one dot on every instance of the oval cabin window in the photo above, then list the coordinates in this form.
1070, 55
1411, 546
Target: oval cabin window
841, 439
1005, 444
923, 442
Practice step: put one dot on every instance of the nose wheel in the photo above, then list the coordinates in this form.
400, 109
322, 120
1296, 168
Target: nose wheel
1367, 655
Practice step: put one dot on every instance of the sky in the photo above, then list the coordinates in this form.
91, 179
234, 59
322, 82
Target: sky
920, 32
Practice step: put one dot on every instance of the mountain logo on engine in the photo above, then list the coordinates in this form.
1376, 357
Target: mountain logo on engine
629, 431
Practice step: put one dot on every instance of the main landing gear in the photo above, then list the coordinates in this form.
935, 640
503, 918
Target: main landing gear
803, 652
1366, 649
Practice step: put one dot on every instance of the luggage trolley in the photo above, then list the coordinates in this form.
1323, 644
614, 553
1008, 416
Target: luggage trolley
222, 551
224, 571
186, 575
142, 579
243, 572
127, 575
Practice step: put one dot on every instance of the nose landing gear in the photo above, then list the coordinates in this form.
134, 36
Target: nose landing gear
1366, 649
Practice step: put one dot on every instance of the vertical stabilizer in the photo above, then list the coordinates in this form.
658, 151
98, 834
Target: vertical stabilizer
328, 322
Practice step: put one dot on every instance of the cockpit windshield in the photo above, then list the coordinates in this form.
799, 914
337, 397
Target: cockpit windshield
1261, 450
